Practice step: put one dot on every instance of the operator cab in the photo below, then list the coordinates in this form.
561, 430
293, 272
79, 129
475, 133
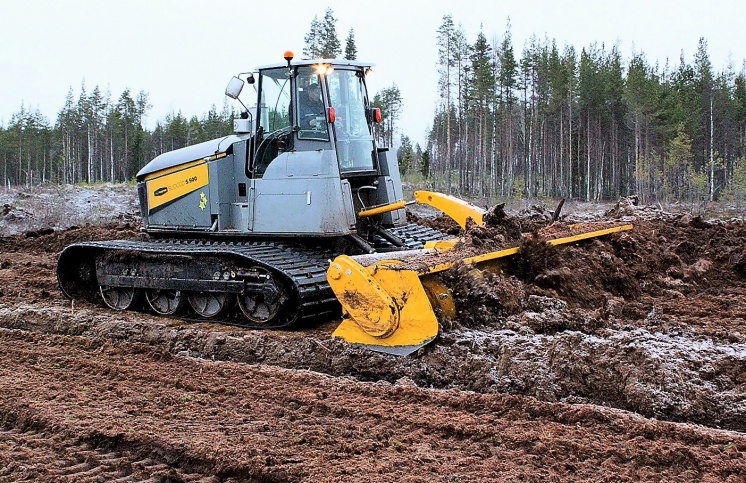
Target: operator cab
313, 105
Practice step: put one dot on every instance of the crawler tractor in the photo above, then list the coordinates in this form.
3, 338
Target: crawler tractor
243, 229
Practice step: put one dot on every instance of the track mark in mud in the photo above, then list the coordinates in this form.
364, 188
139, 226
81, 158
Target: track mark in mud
34, 454
667, 376
262, 423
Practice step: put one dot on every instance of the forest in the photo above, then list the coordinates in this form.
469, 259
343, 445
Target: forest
584, 124
565, 122
96, 139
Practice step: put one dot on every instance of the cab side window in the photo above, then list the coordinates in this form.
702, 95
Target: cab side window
311, 110
274, 118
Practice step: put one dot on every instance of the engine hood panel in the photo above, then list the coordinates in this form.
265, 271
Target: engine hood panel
188, 154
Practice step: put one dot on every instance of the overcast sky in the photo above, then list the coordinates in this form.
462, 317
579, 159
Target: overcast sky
182, 53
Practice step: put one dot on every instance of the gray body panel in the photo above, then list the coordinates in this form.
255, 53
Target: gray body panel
185, 213
390, 188
301, 193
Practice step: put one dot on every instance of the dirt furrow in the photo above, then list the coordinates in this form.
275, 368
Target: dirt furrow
667, 376
47, 455
245, 421
529, 382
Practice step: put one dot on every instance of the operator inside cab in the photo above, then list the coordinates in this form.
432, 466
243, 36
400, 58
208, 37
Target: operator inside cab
311, 107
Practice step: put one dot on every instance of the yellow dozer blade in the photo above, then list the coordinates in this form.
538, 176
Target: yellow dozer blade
389, 299
387, 310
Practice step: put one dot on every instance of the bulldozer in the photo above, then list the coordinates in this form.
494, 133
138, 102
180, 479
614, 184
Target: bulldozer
297, 215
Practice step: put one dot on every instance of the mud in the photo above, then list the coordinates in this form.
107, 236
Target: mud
135, 413
618, 358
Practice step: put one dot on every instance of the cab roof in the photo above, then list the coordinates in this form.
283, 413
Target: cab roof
312, 62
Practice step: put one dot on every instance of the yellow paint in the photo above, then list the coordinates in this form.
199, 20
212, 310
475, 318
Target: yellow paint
512, 251
590, 234
459, 210
440, 296
175, 184
363, 297
441, 246
384, 308
172, 169
382, 209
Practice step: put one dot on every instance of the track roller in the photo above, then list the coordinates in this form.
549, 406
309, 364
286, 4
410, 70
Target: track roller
166, 302
211, 305
262, 301
121, 298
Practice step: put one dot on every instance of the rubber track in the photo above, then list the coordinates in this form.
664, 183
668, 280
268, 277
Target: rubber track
415, 235
304, 267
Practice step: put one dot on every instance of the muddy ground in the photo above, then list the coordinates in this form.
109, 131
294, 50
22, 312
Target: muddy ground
621, 358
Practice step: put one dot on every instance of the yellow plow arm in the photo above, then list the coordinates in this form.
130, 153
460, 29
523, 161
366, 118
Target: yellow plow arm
389, 307
459, 210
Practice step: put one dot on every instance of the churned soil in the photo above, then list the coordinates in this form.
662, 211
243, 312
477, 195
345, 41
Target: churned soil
618, 358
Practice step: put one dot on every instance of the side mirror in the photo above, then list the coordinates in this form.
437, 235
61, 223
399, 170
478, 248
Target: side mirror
250, 79
234, 88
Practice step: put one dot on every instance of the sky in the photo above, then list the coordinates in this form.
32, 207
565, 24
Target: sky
183, 53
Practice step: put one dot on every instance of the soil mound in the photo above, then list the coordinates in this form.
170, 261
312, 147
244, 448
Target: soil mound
650, 321
54, 241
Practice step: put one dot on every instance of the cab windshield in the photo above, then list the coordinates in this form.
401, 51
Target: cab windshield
352, 132
274, 118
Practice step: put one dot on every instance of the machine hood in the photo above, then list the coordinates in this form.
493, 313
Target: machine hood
188, 154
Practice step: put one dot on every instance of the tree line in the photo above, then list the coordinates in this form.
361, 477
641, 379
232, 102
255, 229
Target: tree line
550, 123
96, 138
586, 125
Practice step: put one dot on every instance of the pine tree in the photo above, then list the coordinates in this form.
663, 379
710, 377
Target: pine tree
507, 81
92, 111
140, 148
322, 41
405, 154
389, 100
641, 94
176, 131
678, 174
350, 47
313, 40
425, 167
66, 127
446, 60
480, 93
331, 48
704, 140
128, 118
612, 180
591, 104
740, 113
